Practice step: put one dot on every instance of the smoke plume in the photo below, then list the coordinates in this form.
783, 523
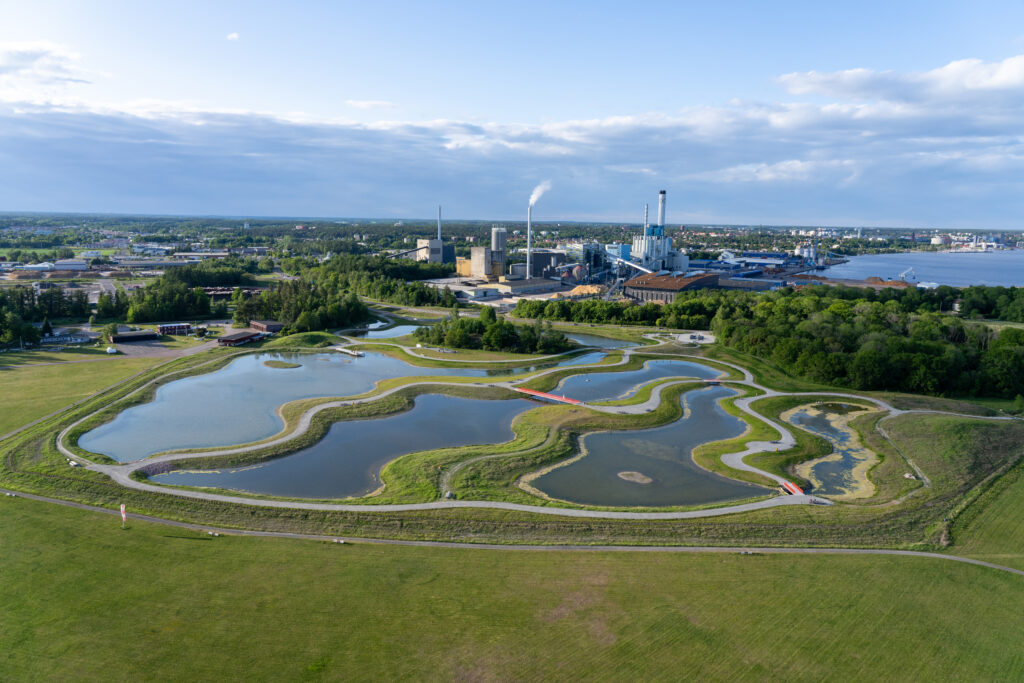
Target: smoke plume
539, 191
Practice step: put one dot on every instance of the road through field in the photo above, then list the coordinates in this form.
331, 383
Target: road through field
535, 548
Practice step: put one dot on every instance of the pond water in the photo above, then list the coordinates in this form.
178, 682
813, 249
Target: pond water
347, 461
653, 467
843, 472
237, 403
390, 333
610, 385
599, 341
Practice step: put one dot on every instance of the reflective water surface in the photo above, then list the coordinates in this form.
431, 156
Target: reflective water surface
347, 461
653, 467
599, 341
238, 403
610, 385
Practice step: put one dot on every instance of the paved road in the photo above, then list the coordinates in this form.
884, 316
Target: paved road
535, 548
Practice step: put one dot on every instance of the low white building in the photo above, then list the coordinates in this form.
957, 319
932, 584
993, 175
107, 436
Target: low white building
44, 267
71, 264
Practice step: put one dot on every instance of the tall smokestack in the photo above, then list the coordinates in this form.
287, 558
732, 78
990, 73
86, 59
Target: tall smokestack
661, 209
645, 218
529, 231
438, 221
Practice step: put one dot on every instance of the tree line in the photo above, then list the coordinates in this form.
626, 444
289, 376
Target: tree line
491, 332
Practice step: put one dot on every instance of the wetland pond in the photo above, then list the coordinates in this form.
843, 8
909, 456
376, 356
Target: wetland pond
652, 467
347, 461
237, 403
843, 472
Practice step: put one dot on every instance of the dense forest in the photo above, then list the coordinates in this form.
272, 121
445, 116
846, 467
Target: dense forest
302, 306
693, 313
381, 279
493, 333
886, 341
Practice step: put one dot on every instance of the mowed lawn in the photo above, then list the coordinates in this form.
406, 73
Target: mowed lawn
29, 392
83, 600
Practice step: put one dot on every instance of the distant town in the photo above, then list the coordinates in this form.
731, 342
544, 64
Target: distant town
494, 264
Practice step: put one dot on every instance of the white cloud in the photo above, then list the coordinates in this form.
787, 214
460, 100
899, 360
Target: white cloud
232, 36
370, 104
958, 80
790, 170
33, 70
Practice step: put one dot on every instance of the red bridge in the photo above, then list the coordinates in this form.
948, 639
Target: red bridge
550, 397
792, 488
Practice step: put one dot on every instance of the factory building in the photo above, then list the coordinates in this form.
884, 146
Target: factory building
434, 250
499, 246
430, 250
663, 288
653, 249
618, 250
481, 264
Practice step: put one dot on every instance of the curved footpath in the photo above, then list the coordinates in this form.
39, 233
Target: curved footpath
121, 473
534, 548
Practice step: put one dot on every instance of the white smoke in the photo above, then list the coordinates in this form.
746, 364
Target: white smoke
539, 191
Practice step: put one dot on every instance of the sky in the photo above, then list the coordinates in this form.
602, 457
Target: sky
870, 113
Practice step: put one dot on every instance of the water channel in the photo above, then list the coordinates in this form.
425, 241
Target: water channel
599, 342
347, 461
653, 467
237, 404
599, 386
389, 333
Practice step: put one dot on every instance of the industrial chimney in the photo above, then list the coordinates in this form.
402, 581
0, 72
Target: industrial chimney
661, 209
529, 229
438, 221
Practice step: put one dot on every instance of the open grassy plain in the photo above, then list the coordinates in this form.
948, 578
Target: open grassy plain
84, 600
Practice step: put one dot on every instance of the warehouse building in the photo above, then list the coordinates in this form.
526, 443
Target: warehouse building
663, 288
266, 326
175, 328
137, 336
238, 338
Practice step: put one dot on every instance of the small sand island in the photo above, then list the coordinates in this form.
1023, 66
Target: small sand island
280, 364
635, 477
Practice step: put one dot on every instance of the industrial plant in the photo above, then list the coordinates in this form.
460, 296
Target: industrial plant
648, 269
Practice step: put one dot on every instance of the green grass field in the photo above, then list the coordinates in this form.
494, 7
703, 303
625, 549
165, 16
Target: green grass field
84, 600
32, 392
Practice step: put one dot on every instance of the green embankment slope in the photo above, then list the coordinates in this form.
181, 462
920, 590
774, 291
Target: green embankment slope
992, 528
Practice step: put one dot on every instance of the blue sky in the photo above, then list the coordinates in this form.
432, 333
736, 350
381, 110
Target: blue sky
801, 113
